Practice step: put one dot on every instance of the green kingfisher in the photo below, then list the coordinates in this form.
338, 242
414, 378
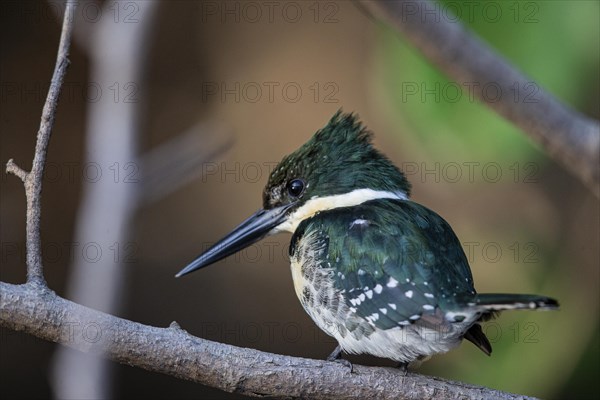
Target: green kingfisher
377, 271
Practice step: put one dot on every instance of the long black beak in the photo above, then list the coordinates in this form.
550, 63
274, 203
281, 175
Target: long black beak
248, 232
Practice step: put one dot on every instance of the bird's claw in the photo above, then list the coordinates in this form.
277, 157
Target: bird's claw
336, 356
403, 367
343, 362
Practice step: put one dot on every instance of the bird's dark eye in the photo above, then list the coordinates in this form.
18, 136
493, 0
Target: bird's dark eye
295, 187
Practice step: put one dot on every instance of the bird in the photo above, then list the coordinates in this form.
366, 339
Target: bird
377, 271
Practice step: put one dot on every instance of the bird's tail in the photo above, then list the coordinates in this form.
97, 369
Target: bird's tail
491, 302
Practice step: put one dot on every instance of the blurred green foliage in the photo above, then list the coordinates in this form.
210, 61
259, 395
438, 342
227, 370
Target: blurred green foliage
543, 39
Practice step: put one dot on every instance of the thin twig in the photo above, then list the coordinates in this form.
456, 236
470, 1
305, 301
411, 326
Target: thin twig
568, 136
14, 169
33, 179
174, 352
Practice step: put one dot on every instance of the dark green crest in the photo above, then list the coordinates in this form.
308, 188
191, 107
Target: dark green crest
338, 159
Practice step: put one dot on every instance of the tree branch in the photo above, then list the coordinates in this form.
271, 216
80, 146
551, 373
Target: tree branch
568, 136
14, 169
173, 351
33, 179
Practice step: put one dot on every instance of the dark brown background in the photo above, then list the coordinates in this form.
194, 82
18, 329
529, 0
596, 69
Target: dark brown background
249, 300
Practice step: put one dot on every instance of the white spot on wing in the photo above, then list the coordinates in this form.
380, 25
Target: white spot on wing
378, 288
409, 294
383, 311
359, 222
428, 307
392, 282
369, 294
392, 306
373, 317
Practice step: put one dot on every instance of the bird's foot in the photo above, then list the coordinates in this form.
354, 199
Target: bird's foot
336, 356
345, 363
403, 366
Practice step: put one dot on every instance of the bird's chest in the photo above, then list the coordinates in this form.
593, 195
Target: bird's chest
310, 272
314, 276
314, 285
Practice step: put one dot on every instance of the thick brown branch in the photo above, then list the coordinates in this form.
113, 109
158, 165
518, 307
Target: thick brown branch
566, 135
172, 351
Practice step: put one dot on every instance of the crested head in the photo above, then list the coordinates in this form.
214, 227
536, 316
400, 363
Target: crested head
337, 167
338, 160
